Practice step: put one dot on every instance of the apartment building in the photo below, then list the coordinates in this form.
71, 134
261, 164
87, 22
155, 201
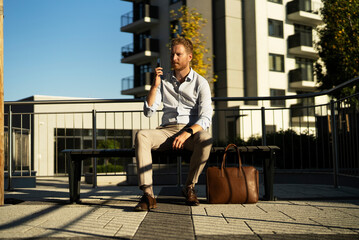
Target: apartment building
261, 48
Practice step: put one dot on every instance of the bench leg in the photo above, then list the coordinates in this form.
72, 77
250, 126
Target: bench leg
74, 172
179, 171
269, 177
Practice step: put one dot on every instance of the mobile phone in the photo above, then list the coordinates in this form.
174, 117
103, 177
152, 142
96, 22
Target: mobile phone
158, 62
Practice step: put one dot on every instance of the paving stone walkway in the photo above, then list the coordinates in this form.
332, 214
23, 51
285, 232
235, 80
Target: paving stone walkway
301, 212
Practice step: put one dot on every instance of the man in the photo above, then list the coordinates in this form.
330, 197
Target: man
187, 113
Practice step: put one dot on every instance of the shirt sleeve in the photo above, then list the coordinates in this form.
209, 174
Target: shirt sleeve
150, 110
205, 109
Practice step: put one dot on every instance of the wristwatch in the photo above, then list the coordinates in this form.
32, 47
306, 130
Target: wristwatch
189, 130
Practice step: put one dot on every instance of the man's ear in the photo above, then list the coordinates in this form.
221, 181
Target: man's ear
190, 56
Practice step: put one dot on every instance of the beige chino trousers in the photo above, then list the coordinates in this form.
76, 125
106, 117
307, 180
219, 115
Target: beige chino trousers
161, 139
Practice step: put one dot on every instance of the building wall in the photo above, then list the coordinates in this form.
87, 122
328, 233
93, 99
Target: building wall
48, 118
238, 37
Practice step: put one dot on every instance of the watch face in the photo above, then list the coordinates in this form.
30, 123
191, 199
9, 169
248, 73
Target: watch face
189, 130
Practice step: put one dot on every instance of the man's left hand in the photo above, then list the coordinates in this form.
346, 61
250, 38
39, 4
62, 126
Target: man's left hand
179, 141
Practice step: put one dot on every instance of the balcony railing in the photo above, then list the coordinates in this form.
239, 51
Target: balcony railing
139, 52
142, 80
309, 6
301, 79
52, 126
304, 11
300, 39
139, 19
139, 86
127, 83
301, 44
127, 50
300, 74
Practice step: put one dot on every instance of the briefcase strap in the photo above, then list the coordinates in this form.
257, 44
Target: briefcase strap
225, 154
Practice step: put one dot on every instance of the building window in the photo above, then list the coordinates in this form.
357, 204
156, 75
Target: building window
79, 138
276, 62
306, 34
306, 68
275, 1
275, 28
141, 78
275, 93
140, 41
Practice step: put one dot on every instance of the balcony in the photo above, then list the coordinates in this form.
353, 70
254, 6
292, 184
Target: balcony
137, 87
299, 79
301, 113
144, 51
140, 19
301, 44
304, 12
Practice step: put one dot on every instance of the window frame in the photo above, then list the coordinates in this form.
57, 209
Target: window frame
273, 92
277, 26
282, 65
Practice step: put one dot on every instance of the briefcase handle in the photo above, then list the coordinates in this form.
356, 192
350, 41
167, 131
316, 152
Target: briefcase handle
231, 145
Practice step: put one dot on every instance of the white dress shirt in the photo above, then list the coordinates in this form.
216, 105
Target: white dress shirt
187, 103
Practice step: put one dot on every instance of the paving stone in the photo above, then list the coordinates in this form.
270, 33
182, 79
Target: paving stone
305, 212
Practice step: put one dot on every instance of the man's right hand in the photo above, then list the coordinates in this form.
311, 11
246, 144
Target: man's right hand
158, 73
156, 83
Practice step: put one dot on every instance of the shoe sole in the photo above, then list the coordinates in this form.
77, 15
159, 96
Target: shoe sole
141, 210
192, 203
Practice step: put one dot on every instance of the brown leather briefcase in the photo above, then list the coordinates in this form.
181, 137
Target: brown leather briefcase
233, 184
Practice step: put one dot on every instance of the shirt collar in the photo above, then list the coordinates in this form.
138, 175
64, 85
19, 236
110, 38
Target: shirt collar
189, 77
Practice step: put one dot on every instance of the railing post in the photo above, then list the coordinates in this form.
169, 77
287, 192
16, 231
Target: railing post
334, 143
264, 134
94, 144
9, 182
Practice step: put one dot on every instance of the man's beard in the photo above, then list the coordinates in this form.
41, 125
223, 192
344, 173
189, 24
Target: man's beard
178, 67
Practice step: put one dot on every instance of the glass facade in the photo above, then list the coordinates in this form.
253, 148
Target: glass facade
82, 139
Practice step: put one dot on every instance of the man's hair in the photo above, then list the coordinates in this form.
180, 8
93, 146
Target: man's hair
185, 42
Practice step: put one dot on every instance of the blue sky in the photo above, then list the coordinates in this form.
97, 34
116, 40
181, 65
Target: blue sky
64, 48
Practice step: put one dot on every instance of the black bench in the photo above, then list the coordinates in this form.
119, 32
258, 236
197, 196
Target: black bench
76, 156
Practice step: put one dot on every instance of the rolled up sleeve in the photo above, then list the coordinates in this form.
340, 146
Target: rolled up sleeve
150, 110
205, 109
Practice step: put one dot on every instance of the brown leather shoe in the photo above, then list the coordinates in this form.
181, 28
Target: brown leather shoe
146, 203
191, 197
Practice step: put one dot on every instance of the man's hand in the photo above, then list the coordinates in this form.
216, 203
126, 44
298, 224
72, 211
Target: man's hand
152, 94
179, 141
158, 73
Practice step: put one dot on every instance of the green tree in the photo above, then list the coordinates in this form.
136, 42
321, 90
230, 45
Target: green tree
190, 24
338, 46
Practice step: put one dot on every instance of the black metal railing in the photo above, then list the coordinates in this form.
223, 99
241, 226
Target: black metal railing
127, 19
300, 74
300, 39
140, 80
127, 83
324, 137
145, 10
303, 5
147, 44
127, 50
